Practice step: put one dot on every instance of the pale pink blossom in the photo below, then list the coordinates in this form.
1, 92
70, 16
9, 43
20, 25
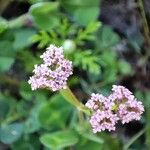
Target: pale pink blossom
98, 101
128, 108
103, 120
120, 105
53, 73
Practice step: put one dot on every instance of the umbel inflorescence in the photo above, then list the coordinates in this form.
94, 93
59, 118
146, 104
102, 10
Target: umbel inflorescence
121, 105
54, 71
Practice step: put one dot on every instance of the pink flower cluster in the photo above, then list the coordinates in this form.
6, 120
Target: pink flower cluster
54, 72
107, 111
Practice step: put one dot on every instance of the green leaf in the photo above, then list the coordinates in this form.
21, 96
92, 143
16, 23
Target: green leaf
60, 139
43, 38
125, 68
83, 11
106, 38
87, 33
44, 7
22, 38
7, 55
86, 15
7, 107
87, 61
5, 63
6, 48
10, 133
50, 115
45, 14
25, 91
32, 123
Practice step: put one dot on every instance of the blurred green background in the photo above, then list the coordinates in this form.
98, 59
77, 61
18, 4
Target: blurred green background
108, 43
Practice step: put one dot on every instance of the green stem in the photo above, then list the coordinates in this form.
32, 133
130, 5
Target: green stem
71, 98
145, 22
133, 139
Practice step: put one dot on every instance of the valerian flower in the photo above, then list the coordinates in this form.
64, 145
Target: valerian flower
121, 105
128, 108
54, 72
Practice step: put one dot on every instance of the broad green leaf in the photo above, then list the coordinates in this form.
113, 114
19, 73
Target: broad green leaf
44, 7
80, 2
83, 11
45, 14
6, 48
86, 15
32, 124
10, 133
60, 139
6, 63
7, 106
51, 113
22, 38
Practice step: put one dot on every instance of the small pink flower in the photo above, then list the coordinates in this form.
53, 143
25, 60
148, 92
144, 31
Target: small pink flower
128, 107
107, 111
54, 73
53, 55
130, 110
103, 120
98, 101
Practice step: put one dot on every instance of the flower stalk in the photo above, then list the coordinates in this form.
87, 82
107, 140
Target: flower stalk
72, 99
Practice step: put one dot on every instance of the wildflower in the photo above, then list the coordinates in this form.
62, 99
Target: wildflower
128, 108
54, 72
107, 111
103, 120
102, 117
98, 101
53, 55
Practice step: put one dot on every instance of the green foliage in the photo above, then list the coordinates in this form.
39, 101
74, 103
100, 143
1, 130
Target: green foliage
35, 120
60, 139
84, 59
84, 11
6, 55
6, 63
3, 25
45, 14
86, 34
87, 61
10, 133
22, 38
50, 117
107, 38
